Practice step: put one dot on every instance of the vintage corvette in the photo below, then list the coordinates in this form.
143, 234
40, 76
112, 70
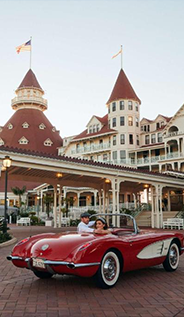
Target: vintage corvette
126, 248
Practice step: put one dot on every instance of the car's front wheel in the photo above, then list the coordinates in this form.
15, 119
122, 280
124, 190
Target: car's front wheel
42, 274
109, 270
172, 260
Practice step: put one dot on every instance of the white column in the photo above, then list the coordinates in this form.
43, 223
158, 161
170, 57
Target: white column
55, 206
95, 194
100, 200
104, 193
169, 201
78, 199
60, 216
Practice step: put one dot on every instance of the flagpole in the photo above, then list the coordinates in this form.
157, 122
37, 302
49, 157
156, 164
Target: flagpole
121, 57
31, 51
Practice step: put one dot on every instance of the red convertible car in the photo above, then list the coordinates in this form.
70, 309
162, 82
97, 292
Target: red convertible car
126, 248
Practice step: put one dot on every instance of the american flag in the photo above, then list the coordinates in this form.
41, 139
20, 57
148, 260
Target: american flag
24, 47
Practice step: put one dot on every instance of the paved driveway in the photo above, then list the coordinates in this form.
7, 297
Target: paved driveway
143, 293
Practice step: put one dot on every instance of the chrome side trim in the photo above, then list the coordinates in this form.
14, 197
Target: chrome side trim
182, 249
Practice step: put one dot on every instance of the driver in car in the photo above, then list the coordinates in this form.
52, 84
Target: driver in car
85, 225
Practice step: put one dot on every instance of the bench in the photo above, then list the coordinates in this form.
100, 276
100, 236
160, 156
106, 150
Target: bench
173, 223
24, 221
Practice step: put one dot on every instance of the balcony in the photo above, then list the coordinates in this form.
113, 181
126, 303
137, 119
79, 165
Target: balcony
92, 148
29, 100
156, 159
173, 134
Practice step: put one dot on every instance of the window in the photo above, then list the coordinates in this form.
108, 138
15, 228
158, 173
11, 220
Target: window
131, 140
109, 124
142, 128
122, 154
153, 138
48, 142
105, 157
10, 126
130, 106
158, 125
159, 136
25, 125
97, 127
101, 141
121, 105
42, 126
114, 140
136, 122
23, 140
122, 139
109, 109
53, 129
94, 128
147, 139
130, 121
114, 122
137, 139
1, 142
113, 106
114, 155
146, 128
84, 145
136, 107
90, 129
122, 121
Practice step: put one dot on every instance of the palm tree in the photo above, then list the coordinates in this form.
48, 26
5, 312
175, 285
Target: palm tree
48, 200
19, 192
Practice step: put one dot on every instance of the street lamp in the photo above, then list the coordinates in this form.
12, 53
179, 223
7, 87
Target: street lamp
6, 164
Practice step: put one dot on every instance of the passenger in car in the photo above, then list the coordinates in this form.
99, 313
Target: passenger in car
101, 224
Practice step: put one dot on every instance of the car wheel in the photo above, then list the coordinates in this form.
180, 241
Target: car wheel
109, 270
41, 274
172, 260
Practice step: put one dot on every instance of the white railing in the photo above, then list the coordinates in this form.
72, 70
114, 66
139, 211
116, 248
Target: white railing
30, 99
171, 134
92, 148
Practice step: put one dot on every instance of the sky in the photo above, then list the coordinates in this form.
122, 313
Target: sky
72, 47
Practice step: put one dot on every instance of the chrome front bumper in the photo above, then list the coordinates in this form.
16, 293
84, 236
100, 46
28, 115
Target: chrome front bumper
70, 265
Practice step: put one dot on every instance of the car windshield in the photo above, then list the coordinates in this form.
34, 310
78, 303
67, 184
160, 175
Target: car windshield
118, 221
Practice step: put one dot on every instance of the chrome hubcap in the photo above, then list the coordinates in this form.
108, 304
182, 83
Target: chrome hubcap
173, 256
109, 268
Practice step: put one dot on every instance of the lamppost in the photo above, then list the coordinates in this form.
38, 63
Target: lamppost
6, 164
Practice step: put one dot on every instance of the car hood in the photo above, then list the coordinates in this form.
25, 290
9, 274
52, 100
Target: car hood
61, 246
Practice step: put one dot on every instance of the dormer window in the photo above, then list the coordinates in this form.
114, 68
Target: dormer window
42, 126
23, 140
90, 129
97, 127
53, 129
48, 142
25, 125
1, 142
10, 126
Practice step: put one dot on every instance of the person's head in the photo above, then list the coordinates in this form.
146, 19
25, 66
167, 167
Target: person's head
100, 223
85, 217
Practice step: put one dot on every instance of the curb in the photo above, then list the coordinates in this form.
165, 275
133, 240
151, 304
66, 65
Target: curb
7, 243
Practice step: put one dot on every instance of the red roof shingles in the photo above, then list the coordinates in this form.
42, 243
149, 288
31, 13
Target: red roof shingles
33, 134
30, 80
80, 161
104, 130
123, 89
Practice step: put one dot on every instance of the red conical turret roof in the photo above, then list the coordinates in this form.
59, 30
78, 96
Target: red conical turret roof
123, 89
35, 135
30, 80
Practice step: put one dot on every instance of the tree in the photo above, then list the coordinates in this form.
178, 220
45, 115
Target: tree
19, 192
48, 200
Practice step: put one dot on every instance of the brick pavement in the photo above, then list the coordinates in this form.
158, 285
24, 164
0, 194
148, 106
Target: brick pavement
145, 293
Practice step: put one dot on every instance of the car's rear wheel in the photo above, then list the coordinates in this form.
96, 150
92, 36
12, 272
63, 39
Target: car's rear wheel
42, 274
109, 270
172, 260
